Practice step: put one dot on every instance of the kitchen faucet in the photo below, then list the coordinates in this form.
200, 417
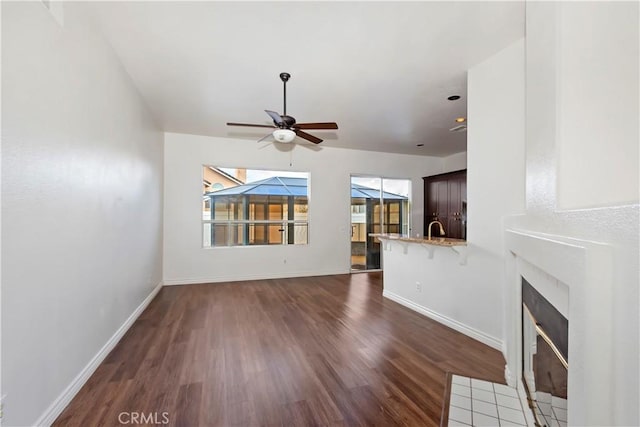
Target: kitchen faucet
441, 228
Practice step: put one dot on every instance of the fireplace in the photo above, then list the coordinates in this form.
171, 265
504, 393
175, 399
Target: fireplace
545, 336
575, 277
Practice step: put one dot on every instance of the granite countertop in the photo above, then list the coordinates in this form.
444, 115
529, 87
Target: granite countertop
436, 241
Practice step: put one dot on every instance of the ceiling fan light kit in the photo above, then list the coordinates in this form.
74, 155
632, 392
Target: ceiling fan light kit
286, 128
284, 135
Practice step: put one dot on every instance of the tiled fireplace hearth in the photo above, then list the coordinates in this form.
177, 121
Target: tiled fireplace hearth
574, 277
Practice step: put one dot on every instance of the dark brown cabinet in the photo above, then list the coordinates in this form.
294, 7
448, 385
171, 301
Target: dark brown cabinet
445, 200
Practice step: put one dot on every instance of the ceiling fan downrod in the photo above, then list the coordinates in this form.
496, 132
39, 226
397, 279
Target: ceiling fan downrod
285, 78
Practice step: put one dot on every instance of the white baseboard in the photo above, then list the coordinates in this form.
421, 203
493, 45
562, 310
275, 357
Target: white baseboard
453, 324
58, 405
508, 378
240, 277
504, 350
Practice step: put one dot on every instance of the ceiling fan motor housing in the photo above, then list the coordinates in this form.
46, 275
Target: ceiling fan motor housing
287, 122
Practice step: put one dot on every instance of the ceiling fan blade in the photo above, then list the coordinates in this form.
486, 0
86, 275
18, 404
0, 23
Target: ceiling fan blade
275, 116
308, 137
324, 125
264, 137
250, 125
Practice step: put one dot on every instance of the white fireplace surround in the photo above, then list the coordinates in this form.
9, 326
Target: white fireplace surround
576, 277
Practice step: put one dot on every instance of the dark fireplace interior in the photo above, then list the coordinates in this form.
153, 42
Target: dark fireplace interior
550, 374
545, 343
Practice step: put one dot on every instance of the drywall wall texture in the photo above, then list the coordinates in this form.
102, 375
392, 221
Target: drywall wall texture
495, 165
469, 297
81, 203
570, 145
597, 96
455, 162
328, 251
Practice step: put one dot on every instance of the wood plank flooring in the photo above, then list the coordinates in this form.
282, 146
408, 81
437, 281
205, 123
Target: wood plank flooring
314, 351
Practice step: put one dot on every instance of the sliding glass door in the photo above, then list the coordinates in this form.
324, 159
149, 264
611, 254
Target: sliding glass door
378, 205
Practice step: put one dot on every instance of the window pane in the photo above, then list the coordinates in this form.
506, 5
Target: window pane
238, 208
276, 234
300, 209
394, 214
206, 209
238, 234
393, 228
275, 212
257, 234
221, 209
376, 215
258, 199
257, 211
266, 234
206, 238
396, 195
220, 235
300, 234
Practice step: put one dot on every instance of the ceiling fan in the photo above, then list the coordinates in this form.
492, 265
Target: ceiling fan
285, 127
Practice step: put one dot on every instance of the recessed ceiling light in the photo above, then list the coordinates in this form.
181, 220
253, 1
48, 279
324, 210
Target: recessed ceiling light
419, 145
460, 119
453, 97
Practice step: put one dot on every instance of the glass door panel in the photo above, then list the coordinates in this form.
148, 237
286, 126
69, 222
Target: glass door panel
395, 195
377, 206
358, 233
374, 225
365, 219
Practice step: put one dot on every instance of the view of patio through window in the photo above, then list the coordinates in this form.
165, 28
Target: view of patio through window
368, 194
249, 207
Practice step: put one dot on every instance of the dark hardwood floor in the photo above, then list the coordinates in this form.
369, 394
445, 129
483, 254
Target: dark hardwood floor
314, 351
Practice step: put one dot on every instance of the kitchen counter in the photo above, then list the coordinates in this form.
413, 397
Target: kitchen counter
458, 245
437, 241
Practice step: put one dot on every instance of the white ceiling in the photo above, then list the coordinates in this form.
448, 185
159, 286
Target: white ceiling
381, 70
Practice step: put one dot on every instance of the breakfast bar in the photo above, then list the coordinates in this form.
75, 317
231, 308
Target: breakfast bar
430, 244
436, 277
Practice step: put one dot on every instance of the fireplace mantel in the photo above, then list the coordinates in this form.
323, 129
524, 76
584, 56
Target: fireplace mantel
576, 276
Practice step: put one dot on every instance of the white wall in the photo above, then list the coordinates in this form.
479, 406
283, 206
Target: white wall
598, 104
496, 165
81, 204
328, 251
574, 147
455, 162
469, 297
495, 171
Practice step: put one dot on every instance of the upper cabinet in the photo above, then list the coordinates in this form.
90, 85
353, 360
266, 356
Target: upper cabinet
445, 200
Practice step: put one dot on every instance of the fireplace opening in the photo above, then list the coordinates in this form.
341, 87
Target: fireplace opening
545, 333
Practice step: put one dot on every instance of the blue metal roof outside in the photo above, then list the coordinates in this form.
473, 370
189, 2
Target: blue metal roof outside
286, 186
274, 186
361, 192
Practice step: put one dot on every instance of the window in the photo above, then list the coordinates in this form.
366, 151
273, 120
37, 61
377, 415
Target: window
254, 207
357, 209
